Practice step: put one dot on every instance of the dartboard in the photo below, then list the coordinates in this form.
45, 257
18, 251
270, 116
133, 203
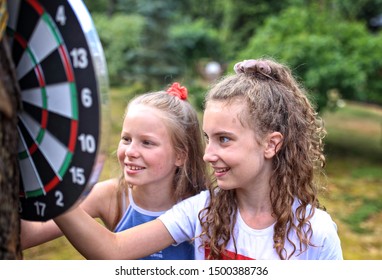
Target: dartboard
62, 76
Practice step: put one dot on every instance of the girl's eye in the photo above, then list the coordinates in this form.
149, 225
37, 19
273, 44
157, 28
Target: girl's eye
126, 140
146, 142
223, 139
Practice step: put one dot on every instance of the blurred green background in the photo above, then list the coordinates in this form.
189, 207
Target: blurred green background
334, 47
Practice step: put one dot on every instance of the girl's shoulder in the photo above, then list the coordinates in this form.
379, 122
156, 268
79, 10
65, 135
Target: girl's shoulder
193, 203
101, 196
321, 222
325, 234
200, 198
105, 188
113, 182
320, 216
102, 201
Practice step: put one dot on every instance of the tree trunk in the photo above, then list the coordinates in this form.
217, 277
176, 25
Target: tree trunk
10, 105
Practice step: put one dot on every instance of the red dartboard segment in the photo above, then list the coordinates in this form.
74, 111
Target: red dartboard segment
59, 135
36, 5
68, 68
48, 187
19, 39
73, 139
40, 76
32, 149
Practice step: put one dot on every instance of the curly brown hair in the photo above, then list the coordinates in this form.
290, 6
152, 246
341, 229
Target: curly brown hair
275, 102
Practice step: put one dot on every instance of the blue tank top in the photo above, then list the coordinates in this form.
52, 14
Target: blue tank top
134, 215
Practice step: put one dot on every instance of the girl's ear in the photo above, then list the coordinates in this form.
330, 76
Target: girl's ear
180, 159
273, 144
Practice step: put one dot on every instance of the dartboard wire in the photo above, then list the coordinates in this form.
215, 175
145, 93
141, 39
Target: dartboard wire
39, 73
28, 165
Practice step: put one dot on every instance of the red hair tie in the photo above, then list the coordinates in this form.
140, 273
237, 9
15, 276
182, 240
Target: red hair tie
177, 90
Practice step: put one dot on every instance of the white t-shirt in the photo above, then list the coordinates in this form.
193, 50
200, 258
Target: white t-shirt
183, 224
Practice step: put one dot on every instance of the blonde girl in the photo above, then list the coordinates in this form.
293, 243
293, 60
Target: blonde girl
160, 153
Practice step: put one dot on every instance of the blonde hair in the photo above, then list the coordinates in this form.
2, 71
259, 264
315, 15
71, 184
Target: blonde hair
186, 137
274, 102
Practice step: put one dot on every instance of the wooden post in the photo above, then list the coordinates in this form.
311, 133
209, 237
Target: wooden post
10, 105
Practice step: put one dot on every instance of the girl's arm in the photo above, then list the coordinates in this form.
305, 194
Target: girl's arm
94, 241
36, 233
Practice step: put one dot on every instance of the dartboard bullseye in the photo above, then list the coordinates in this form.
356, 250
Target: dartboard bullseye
62, 75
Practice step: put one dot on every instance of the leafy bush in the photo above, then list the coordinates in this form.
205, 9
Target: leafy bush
325, 51
195, 40
119, 37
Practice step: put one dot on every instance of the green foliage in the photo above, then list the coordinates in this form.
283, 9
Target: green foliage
370, 173
361, 10
325, 51
368, 208
195, 40
96, 6
326, 43
196, 95
119, 37
234, 20
156, 62
242, 18
351, 10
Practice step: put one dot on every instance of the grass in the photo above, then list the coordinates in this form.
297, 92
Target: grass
354, 177
354, 154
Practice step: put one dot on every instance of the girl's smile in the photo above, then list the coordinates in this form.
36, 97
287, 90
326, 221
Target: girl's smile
133, 169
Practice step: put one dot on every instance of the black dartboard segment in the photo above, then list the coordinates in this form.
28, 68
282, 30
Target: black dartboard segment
60, 69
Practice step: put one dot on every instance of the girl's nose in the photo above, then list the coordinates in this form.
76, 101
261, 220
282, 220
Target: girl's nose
210, 154
131, 150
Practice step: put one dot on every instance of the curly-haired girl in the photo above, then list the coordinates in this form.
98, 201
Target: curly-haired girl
264, 146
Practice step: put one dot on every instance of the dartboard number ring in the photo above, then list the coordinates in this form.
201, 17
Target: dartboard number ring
52, 44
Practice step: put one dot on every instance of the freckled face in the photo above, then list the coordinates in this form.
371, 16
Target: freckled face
145, 151
234, 154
